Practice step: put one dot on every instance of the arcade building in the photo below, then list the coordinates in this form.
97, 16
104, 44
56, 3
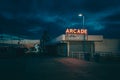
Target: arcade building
77, 42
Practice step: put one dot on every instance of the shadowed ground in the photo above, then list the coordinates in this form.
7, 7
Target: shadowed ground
56, 68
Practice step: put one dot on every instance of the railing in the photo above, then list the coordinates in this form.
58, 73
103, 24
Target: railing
107, 56
79, 55
97, 56
108, 53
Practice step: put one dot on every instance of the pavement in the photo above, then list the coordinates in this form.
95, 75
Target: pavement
56, 68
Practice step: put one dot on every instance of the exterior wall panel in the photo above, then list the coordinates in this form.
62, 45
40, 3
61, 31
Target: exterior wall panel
108, 46
62, 49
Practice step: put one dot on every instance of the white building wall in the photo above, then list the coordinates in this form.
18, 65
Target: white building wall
108, 46
21, 42
89, 38
26, 43
95, 38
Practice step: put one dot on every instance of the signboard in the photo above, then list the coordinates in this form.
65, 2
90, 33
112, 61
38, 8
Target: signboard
76, 34
76, 31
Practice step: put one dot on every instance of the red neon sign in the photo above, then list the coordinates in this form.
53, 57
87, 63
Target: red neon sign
76, 31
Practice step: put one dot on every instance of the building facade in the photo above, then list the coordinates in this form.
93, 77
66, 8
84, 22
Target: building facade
77, 45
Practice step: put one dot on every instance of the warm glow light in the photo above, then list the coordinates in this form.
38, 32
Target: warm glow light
80, 15
76, 31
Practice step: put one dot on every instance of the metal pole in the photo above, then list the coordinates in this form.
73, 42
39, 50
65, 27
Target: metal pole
83, 24
83, 21
84, 43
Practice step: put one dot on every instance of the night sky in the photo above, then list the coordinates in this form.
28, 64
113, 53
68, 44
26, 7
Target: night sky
29, 18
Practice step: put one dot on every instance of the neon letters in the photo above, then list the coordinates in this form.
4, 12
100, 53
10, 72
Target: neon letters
76, 31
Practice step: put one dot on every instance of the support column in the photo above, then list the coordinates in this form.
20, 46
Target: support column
68, 49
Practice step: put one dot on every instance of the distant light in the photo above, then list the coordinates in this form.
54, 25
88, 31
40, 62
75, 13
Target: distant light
80, 15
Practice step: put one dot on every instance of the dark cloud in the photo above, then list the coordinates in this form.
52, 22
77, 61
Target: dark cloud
31, 17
